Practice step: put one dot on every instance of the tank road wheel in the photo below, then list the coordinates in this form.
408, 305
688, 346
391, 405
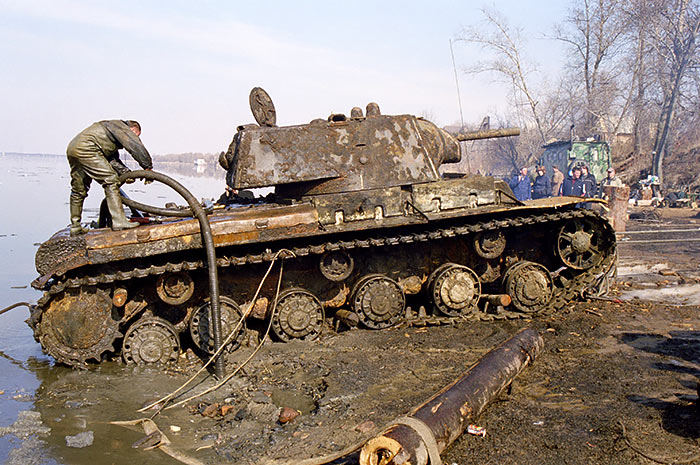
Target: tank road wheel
489, 244
378, 301
151, 340
579, 244
336, 265
298, 315
454, 289
203, 333
175, 288
529, 285
78, 326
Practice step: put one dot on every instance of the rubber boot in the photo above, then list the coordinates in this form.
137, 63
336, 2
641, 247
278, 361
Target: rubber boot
116, 209
76, 213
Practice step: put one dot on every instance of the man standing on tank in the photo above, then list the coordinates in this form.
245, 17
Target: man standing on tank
521, 185
94, 154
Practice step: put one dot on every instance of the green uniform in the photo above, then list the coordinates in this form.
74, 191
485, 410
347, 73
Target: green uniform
94, 154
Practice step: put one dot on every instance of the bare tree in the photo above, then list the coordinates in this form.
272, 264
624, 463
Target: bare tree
674, 32
505, 45
595, 34
640, 15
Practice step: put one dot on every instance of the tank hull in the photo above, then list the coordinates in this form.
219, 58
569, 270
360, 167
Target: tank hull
422, 267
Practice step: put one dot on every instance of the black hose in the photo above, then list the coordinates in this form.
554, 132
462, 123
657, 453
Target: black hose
207, 241
179, 213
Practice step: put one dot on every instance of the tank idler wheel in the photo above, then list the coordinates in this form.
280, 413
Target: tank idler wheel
378, 301
336, 265
529, 286
151, 341
580, 244
78, 326
454, 289
489, 244
298, 315
175, 288
202, 331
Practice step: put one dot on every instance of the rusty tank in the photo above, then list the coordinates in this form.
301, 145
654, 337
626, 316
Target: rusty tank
369, 231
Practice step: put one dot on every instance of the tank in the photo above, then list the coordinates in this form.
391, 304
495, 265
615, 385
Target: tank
368, 232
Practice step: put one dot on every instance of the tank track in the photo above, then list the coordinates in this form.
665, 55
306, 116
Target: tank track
565, 289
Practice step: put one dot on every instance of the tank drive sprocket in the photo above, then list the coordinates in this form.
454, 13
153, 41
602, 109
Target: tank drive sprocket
151, 341
78, 325
580, 243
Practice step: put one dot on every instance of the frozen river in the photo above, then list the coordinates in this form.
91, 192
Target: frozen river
34, 193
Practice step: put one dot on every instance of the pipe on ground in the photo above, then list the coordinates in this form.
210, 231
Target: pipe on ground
431, 427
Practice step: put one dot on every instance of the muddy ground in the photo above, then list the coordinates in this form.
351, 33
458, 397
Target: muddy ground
607, 366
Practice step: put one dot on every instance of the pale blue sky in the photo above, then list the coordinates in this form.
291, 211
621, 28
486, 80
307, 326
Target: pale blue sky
184, 68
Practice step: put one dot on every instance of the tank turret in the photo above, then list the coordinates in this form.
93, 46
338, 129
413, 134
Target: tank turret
382, 156
341, 154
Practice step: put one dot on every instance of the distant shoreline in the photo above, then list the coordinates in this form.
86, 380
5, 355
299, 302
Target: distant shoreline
184, 159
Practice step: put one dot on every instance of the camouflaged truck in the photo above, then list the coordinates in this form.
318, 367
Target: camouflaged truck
371, 234
566, 154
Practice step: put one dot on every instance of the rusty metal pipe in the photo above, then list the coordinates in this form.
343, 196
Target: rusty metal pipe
207, 242
448, 413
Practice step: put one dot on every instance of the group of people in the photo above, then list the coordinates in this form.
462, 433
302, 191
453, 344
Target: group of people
580, 183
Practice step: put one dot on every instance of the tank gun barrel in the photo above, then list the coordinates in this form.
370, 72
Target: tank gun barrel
487, 134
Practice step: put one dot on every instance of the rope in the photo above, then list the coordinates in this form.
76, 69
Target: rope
426, 435
240, 367
228, 339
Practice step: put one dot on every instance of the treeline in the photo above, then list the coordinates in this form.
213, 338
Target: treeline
631, 77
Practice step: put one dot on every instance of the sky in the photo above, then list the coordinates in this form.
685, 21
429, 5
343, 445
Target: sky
184, 69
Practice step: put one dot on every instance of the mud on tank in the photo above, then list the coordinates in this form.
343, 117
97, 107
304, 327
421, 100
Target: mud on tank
375, 237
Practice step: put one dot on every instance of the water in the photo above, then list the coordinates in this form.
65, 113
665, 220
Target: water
34, 193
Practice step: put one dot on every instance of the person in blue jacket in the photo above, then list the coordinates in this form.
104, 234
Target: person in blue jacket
521, 185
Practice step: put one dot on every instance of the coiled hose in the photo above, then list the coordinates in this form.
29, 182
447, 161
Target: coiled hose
197, 211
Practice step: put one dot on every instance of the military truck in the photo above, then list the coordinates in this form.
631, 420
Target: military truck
565, 154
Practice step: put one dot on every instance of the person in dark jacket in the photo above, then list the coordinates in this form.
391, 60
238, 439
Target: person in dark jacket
521, 185
542, 187
94, 154
589, 182
573, 185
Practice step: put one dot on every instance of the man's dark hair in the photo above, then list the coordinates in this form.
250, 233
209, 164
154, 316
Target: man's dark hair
133, 124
